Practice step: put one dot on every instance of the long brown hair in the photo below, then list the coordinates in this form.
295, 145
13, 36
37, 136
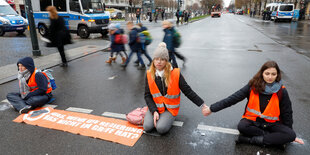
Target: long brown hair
167, 72
258, 82
53, 12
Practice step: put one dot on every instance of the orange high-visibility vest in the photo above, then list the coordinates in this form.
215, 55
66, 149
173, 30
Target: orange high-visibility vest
173, 97
33, 85
271, 113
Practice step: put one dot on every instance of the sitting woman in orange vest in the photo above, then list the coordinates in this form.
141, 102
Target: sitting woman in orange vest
162, 92
267, 119
34, 87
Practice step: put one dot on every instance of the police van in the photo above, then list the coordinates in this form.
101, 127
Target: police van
281, 11
10, 20
81, 16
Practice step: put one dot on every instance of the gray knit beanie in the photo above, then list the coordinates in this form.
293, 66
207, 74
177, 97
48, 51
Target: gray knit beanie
161, 51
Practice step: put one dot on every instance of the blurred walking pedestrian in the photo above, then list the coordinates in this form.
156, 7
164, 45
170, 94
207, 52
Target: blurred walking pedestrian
177, 14
268, 116
156, 16
134, 45
163, 86
143, 31
138, 15
117, 43
58, 34
34, 87
163, 14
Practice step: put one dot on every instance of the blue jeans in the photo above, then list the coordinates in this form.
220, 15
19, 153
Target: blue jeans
173, 60
18, 103
138, 55
138, 20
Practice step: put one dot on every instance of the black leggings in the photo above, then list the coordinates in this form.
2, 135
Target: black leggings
61, 50
274, 133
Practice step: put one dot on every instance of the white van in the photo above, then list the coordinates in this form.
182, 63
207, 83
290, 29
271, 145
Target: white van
282, 12
81, 16
10, 20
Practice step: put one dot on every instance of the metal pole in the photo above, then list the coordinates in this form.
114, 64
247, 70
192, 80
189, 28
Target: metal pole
178, 4
33, 34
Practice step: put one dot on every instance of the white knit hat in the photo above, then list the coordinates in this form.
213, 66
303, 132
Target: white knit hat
161, 51
112, 26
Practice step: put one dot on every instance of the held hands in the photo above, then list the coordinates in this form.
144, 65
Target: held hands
155, 117
205, 110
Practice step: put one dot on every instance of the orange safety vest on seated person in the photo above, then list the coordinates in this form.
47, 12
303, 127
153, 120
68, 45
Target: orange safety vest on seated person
271, 113
172, 99
33, 85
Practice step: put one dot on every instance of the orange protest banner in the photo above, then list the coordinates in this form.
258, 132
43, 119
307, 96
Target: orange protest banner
110, 129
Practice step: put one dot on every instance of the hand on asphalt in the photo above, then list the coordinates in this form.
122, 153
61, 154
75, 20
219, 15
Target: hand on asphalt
205, 110
298, 140
156, 117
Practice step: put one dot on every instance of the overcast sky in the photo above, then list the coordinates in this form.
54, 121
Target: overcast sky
226, 3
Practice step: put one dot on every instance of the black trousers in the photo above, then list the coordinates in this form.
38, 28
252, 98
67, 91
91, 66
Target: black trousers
35, 101
61, 50
273, 133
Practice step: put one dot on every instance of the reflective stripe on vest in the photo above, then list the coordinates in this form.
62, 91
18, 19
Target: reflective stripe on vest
261, 115
172, 99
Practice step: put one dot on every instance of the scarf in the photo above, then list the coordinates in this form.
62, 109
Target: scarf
272, 88
160, 73
22, 81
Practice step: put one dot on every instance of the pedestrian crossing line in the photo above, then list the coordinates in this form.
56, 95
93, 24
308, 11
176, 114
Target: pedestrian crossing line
123, 116
50, 105
82, 110
5, 101
218, 129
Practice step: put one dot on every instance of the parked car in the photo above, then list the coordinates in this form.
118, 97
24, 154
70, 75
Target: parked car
117, 15
239, 12
282, 12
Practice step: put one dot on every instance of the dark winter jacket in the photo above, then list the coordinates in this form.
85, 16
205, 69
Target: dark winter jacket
185, 88
58, 34
117, 47
168, 38
286, 112
133, 37
40, 78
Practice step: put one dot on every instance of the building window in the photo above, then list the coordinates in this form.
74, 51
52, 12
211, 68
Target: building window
44, 4
60, 5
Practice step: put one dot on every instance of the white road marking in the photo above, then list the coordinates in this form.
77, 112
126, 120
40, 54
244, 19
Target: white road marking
123, 116
115, 115
50, 105
218, 129
87, 111
5, 101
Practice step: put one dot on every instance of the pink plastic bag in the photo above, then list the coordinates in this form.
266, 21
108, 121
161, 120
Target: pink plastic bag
137, 116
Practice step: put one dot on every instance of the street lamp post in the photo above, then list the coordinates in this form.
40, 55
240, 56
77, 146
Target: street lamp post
33, 34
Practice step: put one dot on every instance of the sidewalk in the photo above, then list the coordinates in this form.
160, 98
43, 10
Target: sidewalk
9, 72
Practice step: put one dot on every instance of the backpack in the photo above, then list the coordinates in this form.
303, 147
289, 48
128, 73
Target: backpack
148, 37
50, 79
137, 116
120, 39
176, 39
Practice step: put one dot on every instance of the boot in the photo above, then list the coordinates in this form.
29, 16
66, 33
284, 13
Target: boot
243, 140
142, 67
113, 59
123, 60
257, 140
109, 61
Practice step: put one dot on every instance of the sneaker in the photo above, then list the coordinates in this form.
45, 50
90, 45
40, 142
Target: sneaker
64, 65
149, 64
123, 65
26, 109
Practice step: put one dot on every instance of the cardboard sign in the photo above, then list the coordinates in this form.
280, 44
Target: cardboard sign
110, 129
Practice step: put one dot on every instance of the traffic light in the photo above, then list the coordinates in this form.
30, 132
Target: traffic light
130, 2
181, 2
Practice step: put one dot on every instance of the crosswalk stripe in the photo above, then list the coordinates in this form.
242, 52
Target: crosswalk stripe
82, 110
123, 116
50, 105
218, 129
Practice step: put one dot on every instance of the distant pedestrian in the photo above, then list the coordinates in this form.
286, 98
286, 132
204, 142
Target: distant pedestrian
58, 34
163, 88
177, 14
156, 15
138, 15
149, 13
186, 17
144, 45
117, 43
268, 115
163, 14
182, 16
34, 88
134, 45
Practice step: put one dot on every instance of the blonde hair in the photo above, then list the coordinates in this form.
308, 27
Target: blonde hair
166, 22
167, 72
53, 12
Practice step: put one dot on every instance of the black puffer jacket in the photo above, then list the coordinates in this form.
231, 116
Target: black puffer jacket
58, 34
185, 88
286, 112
